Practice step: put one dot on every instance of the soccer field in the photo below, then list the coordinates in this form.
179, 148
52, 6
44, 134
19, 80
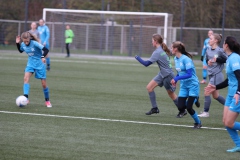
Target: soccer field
98, 113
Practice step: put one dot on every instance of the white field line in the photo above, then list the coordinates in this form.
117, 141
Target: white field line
87, 62
107, 120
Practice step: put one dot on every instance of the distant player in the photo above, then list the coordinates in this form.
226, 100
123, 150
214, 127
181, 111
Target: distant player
189, 84
203, 57
215, 58
68, 39
36, 58
44, 38
232, 105
34, 30
163, 78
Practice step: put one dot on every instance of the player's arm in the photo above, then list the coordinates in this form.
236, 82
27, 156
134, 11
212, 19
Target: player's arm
143, 62
47, 35
45, 52
187, 75
222, 58
204, 50
237, 74
18, 44
224, 84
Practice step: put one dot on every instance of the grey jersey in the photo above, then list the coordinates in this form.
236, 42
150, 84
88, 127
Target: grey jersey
216, 67
163, 61
35, 33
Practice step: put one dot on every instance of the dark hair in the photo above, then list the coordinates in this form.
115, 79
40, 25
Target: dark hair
181, 48
233, 44
158, 38
28, 35
218, 37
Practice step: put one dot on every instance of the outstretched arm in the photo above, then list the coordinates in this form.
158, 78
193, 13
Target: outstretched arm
18, 43
185, 76
145, 63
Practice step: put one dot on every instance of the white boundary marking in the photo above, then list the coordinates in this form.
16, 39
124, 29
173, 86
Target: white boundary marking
107, 120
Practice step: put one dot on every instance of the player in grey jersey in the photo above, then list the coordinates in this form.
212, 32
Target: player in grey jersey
34, 30
165, 75
215, 58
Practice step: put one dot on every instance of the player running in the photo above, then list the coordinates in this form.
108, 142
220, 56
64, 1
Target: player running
189, 84
35, 64
44, 38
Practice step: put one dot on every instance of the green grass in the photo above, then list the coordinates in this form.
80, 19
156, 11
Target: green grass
89, 96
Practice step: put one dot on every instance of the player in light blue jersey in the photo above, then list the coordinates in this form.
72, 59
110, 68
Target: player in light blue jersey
189, 84
203, 57
232, 105
215, 58
44, 38
163, 78
36, 63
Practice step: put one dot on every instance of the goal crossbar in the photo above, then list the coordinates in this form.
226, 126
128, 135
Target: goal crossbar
113, 12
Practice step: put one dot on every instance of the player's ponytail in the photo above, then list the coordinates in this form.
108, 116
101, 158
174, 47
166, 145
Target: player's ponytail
181, 48
158, 38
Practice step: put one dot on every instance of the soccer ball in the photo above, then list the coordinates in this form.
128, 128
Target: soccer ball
21, 101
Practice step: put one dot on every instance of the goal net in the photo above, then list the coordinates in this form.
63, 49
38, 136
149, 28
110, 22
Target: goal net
108, 32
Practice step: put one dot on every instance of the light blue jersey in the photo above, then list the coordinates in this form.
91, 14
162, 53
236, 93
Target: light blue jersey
34, 52
205, 46
44, 35
232, 64
189, 86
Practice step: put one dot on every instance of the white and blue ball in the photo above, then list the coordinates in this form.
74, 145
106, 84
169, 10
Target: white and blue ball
21, 101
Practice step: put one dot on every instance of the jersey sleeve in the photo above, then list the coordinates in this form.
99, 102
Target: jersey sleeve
47, 34
154, 57
188, 63
204, 47
235, 63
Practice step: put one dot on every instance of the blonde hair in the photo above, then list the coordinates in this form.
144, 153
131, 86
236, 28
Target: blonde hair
158, 38
28, 35
181, 48
218, 37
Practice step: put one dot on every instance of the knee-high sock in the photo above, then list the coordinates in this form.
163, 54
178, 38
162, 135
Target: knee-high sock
207, 103
204, 74
234, 134
152, 97
46, 93
196, 118
221, 100
48, 60
26, 88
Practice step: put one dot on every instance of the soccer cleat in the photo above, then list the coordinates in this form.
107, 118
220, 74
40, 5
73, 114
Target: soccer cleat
197, 103
197, 125
153, 111
235, 149
203, 81
181, 114
204, 114
48, 67
48, 104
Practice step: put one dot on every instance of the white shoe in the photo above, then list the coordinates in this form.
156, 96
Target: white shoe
204, 114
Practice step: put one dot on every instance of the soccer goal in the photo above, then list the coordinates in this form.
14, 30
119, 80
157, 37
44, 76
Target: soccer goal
108, 32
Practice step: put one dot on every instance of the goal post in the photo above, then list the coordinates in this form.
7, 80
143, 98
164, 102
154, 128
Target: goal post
111, 31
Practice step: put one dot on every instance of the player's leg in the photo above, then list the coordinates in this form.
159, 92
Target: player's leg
232, 125
26, 86
204, 72
47, 58
193, 113
218, 78
41, 74
67, 49
150, 88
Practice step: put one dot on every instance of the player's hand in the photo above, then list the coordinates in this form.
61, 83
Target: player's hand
18, 39
201, 58
43, 60
209, 89
236, 97
173, 82
210, 62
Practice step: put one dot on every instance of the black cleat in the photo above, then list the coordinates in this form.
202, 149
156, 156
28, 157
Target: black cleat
181, 114
153, 111
197, 125
197, 103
